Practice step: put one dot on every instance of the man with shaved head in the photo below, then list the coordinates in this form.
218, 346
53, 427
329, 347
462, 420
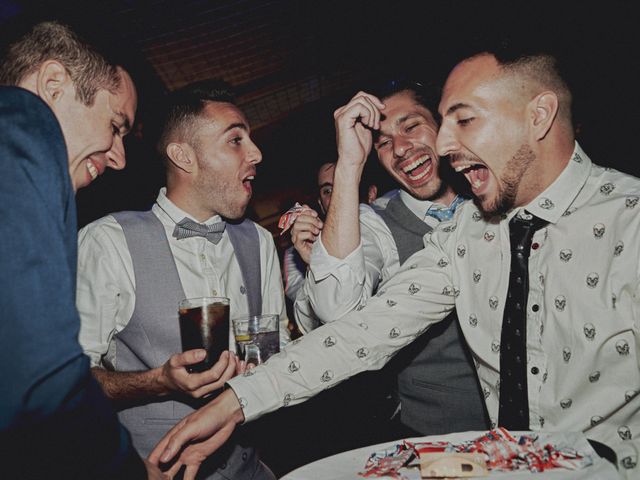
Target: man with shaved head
542, 270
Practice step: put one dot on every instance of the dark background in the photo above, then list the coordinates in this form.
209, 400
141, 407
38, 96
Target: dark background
294, 62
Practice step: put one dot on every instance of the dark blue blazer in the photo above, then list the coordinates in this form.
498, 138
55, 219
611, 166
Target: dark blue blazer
55, 422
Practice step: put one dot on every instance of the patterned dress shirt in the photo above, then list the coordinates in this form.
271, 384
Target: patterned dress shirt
582, 312
335, 286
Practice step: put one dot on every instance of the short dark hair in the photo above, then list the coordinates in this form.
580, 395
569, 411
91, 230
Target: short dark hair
424, 93
541, 70
185, 105
88, 69
427, 94
541, 63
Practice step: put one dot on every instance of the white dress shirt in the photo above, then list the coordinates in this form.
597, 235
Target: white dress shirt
294, 272
582, 312
106, 282
335, 286
294, 279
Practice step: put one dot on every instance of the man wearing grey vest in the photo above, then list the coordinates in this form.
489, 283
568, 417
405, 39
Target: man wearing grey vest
359, 248
134, 268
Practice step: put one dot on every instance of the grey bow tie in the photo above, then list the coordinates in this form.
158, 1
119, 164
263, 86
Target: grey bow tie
186, 228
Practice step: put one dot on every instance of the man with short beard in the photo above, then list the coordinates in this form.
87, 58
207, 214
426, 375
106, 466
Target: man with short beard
135, 267
579, 368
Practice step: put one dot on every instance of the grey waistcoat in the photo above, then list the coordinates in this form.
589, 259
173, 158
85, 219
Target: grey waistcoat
152, 335
437, 384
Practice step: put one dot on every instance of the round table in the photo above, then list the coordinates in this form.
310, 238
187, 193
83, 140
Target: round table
346, 465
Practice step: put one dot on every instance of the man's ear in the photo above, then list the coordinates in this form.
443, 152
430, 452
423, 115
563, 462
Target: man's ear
53, 82
372, 193
182, 156
544, 110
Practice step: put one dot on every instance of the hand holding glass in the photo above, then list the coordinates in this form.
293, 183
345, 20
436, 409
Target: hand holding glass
204, 323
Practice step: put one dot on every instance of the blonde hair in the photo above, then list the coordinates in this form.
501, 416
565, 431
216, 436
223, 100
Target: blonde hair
88, 70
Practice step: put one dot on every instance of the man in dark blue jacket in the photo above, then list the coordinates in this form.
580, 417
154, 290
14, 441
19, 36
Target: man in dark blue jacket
62, 122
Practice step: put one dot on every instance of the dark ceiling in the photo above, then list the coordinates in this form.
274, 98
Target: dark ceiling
294, 62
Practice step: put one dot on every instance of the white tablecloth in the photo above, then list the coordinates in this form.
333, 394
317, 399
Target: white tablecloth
346, 465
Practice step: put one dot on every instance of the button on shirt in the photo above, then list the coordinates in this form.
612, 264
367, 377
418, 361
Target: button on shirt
106, 282
582, 327
336, 286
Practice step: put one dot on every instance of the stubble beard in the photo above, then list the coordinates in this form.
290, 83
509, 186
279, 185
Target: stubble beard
221, 199
436, 188
509, 182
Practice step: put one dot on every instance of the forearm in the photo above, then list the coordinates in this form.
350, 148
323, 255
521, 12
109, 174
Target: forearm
336, 286
341, 232
230, 402
131, 386
323, 358
362, 340
331, 296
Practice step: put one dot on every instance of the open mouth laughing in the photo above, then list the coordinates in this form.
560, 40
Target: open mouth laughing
418, 168
95, 167
475, 173
93, 171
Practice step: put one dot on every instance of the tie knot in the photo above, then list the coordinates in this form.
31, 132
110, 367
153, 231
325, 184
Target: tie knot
443, 213
187, 228
521, 230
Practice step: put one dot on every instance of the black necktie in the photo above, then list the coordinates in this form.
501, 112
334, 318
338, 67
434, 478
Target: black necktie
514, 399
186, 228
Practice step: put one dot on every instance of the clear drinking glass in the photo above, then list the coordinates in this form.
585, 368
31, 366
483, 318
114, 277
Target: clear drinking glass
257, 337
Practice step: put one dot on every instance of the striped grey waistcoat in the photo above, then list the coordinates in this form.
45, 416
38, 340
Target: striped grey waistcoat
153, 335
437, 384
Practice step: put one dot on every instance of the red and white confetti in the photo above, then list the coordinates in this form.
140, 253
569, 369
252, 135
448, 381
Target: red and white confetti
289, 217
501, 450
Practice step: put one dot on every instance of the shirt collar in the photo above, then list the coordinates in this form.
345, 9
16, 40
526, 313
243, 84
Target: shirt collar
418, 207
551, 204
170, 214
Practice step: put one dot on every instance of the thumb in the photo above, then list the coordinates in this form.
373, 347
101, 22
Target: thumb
190, 357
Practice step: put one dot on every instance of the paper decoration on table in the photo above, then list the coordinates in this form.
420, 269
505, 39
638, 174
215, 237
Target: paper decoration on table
387, 463
500, 450
452, 465
289, 217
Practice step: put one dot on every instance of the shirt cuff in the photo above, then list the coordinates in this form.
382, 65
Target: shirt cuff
255, 394
305, 317
322, 264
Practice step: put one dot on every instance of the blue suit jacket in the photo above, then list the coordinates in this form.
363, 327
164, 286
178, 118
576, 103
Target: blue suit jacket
55, 422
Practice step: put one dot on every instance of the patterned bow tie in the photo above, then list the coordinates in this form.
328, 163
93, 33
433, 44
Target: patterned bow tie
186, 228
445, 213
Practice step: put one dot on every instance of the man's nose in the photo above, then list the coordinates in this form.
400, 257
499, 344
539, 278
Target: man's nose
255, 155
446, 143
116, 158
401, 145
